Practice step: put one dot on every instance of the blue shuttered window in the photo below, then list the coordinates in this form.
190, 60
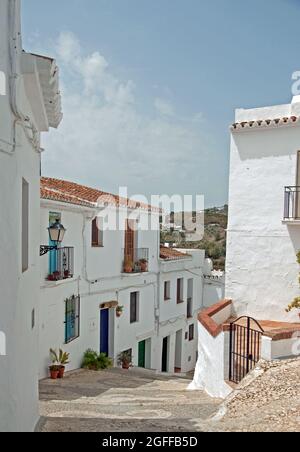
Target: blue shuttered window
72, 319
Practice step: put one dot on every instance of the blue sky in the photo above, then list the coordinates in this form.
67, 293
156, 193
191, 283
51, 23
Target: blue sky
156, 83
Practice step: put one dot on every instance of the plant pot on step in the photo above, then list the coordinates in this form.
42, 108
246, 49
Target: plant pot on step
54, 372
126, 366
61, 372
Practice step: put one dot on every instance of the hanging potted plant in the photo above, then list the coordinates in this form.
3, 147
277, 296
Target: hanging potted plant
128, 265
119, 311
124, 360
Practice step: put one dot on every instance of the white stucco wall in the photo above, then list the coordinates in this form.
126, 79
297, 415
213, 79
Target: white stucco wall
19, 291
213, 364
213, 291
97, 279
261, 267
286, 348
173, 316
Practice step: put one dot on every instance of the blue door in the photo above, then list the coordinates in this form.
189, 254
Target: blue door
104, 331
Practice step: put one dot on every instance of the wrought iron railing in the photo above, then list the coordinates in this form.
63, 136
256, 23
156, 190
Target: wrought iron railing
136, 261
292, 203
64, 264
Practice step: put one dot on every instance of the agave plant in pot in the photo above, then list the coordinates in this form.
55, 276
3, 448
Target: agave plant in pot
61, 359
54, 371
124, 360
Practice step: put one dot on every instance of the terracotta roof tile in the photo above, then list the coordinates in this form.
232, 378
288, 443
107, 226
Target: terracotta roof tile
171, 254
263, 123
72, 193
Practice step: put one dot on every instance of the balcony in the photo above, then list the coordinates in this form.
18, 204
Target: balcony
61, 264
136, 261
292, 204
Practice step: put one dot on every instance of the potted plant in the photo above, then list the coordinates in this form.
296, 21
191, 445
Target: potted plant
144, 265
124, 360
128, 265
54, 372
60, 360
119, 311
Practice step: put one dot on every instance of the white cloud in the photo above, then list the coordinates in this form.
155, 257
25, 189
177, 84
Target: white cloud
106, 141
164, 107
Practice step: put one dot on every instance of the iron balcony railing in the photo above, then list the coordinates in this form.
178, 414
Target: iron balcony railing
292, 203
136, 260
62, 265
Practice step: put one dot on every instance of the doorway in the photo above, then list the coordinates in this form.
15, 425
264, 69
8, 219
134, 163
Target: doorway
178, 351
104, 331
165, 355
142, 354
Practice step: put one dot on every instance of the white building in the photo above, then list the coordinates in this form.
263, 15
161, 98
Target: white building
262, 273
160, 303
181, 299
29, 104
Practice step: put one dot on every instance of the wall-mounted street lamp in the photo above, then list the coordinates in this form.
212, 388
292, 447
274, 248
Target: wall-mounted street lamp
56, 235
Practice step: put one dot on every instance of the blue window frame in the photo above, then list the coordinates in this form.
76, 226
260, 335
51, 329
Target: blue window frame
72, 319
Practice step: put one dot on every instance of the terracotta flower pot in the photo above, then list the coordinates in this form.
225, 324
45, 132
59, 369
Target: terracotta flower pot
128, 269
61, 372
125, 366
118, 313
54, 374
144, 267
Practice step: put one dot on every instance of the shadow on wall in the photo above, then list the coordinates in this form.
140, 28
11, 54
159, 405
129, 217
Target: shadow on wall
294, 233
267, 143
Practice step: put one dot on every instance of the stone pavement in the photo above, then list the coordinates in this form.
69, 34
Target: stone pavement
268, 400
122, 401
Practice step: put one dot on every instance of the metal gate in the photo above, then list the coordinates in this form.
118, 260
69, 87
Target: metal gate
245, 347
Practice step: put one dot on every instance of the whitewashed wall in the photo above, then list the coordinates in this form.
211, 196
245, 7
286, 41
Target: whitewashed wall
97, 279
212, 369
19, 291
173, 316
261, 271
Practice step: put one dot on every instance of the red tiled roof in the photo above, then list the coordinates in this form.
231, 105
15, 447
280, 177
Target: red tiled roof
80, 195
171, 254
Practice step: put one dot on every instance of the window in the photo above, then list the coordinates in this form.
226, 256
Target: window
72, 320
180, 291
167, 290
25, 225
134, 307
97, 232
190, 298
191, 332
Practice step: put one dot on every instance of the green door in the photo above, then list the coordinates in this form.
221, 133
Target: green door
142, 354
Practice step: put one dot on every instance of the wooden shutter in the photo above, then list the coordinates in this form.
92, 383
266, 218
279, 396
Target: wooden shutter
129, 240
95, 233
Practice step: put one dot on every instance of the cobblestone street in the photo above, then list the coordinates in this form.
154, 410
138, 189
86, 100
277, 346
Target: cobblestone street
122, 401
268, 400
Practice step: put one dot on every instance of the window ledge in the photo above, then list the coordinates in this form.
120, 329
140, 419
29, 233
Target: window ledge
58, 283
134, 274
